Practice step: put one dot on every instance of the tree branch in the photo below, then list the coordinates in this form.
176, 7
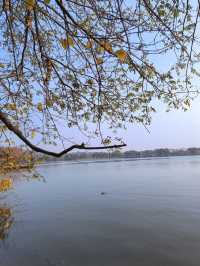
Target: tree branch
17, 132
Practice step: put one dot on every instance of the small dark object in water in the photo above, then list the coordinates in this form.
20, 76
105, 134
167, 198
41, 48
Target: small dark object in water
103, 193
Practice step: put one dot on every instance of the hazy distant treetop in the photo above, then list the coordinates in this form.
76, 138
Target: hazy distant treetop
80, 61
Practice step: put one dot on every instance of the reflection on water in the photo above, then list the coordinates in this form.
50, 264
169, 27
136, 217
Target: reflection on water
6, 221
6, 184
147, 215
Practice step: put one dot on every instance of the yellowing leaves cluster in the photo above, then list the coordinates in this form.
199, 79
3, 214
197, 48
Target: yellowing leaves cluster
106, 46
90, 82
6, 5
33, 134
67, 42
5, 184
100, 49
89, 44
49, 103
99, 61
14, 159
40, 107
5, 221
122, 55
11, 106
5, 212
29, 21
30, 4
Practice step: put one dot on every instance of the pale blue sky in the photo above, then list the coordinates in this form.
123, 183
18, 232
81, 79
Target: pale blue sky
175, 129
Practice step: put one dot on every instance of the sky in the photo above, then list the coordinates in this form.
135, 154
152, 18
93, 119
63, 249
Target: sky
175, 129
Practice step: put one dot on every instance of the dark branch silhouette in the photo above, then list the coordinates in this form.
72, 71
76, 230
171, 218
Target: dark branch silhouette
17, 132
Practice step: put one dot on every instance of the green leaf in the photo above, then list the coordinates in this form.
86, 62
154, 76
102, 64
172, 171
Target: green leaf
176, 13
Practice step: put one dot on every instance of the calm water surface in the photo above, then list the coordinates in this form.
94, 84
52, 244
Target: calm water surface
149, 215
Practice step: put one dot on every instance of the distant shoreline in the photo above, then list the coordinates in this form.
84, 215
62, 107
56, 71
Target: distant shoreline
113, 155
84, 161
118, 154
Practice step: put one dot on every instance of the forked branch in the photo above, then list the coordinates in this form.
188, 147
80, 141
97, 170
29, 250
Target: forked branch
19, 134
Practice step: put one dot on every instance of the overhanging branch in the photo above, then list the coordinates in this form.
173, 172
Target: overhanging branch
17, 132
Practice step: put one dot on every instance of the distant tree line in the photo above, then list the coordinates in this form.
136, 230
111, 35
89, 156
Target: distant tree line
163, 152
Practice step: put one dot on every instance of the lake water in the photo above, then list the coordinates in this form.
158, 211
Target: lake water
148, 216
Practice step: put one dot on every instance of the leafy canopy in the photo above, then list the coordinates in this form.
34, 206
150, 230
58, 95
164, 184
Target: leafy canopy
86, 61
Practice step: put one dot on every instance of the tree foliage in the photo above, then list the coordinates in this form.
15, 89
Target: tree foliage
80, 62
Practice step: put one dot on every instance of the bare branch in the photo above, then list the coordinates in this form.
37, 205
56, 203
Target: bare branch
17, 132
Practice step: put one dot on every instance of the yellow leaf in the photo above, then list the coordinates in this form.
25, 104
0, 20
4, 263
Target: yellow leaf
107, 46
40, 107
5, 212
89, 44
70, 41
122, 55
47, 1
64, 43
100, 49
30, 4
75, 33
5, 184
11, 106
67, 42
29, 21
99, 61
2, 65
49, 103
7, 5
33, 134
90, 81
